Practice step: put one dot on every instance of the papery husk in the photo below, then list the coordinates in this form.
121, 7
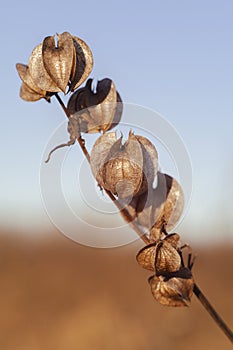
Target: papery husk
38, 72
158, 208
58, 60
25, 76
161, 257
99, 111
175, 291
120, 172
82, 63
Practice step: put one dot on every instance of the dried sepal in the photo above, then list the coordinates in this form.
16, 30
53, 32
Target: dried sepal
82, 63
167, 258
146, 257
58, 59
29, 91
25, 76
38, 72
100, 152
175, 291
120, 172
150, 162
29, 95
174, 240
96, 111
172, 208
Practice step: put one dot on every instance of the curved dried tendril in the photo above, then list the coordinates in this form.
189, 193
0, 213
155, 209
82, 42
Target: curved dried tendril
69, 143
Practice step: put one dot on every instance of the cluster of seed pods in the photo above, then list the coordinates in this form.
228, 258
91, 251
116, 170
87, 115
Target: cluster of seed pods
172, 283
126, 169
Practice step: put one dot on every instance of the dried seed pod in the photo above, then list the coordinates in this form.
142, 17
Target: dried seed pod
54, 67
159, 208
98, 111
120, 172
58, 59
161, 257
175, 291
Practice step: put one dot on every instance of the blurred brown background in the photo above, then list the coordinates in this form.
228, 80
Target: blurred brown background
56, 294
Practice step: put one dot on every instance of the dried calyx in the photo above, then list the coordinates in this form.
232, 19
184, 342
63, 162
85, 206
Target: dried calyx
125, 169
159, 207
172, 282
96, 111
55, 67
173, 291
92, 112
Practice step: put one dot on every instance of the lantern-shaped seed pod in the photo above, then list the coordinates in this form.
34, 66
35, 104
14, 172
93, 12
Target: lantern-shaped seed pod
175, 291
173, 205
96, 111
54, 67
118, 167
124, 169
161, 257
159, 208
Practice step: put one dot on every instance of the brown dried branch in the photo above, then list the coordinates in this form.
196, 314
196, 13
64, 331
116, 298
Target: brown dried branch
129, 219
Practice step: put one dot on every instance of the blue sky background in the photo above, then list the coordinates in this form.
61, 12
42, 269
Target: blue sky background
175, 57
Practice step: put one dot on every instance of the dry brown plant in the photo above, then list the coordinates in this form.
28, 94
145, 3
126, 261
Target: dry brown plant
125, 171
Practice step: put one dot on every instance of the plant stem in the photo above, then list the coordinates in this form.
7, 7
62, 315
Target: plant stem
201, 297
67, 113
124, 212
129, 219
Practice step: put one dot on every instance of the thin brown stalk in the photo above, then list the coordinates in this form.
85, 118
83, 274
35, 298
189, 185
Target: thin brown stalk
124, 212
128, 218
201, 297
67, 113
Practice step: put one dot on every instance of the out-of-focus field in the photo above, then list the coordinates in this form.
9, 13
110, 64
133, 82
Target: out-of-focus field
58, 295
